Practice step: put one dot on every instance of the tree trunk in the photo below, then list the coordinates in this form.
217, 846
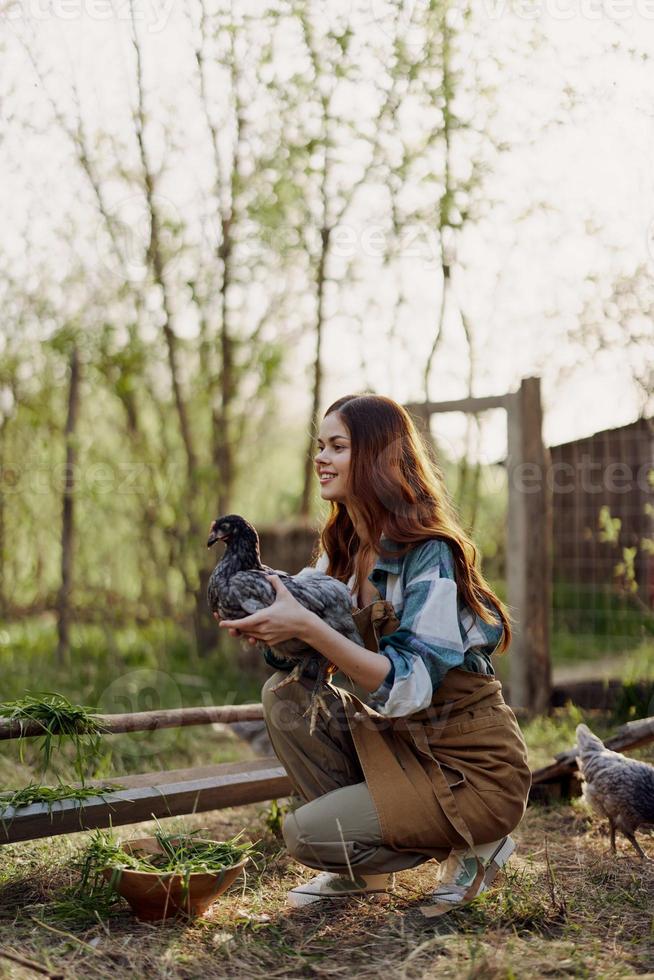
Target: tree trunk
305, 502
68, 514
156, 262
3, 598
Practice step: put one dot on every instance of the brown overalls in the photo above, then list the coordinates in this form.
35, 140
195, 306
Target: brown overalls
453, 775
456, 771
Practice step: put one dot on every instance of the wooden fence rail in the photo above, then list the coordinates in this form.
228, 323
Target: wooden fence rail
171, 793
148, 721
148, 795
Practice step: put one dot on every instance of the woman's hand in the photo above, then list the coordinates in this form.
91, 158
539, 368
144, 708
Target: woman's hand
286, 619
251, 639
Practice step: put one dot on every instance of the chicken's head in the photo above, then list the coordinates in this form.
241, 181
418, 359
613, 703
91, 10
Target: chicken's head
230, 526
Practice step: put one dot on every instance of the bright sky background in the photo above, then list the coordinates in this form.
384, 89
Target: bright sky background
578, 113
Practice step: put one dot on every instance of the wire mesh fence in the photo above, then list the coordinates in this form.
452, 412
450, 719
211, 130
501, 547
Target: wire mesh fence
603, 542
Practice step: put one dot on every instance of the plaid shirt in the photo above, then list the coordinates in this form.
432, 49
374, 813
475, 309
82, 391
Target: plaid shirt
437, 630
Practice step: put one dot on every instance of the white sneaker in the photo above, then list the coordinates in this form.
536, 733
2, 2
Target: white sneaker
467, 874
328, 885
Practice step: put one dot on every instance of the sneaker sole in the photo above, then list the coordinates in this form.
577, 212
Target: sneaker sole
296, 899
308, 898
498, 860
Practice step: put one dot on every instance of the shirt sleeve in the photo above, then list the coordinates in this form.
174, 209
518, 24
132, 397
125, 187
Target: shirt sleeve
430, 639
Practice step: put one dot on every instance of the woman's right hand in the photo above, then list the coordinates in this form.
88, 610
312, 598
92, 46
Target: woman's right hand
237, 633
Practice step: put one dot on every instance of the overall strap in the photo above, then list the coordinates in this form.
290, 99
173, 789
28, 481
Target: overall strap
375, 620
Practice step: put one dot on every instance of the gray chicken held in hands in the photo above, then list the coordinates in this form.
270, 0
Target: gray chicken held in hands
618, 788
238, 587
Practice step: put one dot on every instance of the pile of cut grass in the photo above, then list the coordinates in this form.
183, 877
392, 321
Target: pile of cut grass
181, 854
59, 719
48, 795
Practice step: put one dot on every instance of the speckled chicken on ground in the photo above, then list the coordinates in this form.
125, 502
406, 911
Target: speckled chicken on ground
616, 787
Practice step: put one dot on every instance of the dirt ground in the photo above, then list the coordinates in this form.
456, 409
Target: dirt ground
563, 907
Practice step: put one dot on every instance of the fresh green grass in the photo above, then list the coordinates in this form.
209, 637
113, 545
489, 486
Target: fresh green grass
121, 671
182, 853
587, 622
102, 660
546, 735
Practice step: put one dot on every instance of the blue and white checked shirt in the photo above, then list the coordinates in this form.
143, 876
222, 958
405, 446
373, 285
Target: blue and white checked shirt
437, 630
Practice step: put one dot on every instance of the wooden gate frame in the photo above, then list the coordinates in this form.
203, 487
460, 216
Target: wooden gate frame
529, 535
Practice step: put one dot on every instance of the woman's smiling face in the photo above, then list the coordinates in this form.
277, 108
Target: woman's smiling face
332, 460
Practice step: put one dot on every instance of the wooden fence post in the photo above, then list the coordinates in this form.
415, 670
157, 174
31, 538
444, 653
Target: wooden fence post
529, 549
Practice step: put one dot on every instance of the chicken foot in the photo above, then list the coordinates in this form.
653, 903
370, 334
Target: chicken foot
293, 675
631, 837
317, 701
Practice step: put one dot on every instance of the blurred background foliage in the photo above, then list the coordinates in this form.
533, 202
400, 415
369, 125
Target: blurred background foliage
162, 311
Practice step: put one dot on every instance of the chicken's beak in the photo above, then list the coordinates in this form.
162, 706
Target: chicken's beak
214, 536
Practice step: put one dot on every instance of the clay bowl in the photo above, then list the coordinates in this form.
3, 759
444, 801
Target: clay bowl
154, 896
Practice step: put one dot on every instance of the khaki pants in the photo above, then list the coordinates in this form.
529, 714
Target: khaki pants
337, 827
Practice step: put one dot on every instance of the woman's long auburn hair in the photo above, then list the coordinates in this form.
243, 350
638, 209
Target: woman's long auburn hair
396, 487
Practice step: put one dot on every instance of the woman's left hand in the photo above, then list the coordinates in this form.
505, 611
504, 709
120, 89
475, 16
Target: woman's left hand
285, 619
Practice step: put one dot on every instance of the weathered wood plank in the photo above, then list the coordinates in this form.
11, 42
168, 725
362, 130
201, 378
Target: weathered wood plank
161, 794
600, 694
149, 721
458, 405
155, 777
529, 550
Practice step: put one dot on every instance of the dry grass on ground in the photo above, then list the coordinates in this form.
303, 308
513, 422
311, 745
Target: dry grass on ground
564, 907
